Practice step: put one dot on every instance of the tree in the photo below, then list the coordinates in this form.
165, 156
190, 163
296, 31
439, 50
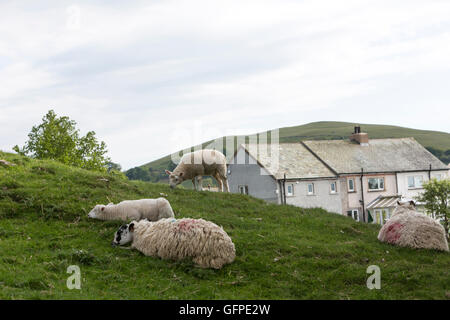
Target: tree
137, 173
436, 198
57, 138
113, 166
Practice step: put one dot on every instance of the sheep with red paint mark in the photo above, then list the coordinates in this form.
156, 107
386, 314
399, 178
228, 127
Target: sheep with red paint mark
409, 228
207, 244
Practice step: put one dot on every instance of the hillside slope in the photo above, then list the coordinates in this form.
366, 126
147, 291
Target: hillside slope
283, 252
437, 142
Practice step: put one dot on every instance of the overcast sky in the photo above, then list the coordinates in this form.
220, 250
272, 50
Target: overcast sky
153, 77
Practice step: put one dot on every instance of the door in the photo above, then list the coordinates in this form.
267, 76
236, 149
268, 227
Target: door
381, 215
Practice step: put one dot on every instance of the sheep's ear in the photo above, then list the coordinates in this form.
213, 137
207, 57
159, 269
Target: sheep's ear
168, 172
131, 227
412, 203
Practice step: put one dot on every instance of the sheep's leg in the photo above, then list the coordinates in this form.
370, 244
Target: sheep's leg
193, 182
225, 182
219, 181
200, 183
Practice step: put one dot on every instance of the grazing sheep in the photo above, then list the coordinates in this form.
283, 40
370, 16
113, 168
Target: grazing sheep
151, 209
206, 243
408, 228
193, 166
6, 163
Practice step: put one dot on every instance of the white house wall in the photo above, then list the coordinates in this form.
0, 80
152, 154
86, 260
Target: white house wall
244, 171
322, 197
402, 179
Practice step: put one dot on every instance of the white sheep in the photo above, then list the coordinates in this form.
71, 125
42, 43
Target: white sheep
151, 209
206, 243
193, 166
409, 228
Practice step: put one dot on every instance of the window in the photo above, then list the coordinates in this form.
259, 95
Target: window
354, 214
351, 185
438, 177
243, 189
376, 183
381, 216
310, 188
415, 182
333, 187
290, 190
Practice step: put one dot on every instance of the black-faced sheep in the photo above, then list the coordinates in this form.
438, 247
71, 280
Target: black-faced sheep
409, 228
193, 166
151, 209
207, 244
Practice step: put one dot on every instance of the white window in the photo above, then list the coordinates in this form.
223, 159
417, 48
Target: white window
243, 189
438, 177
310, 189
381, 216
354, 214
290, 190
415, 182
333, 187
351, 185
376, 183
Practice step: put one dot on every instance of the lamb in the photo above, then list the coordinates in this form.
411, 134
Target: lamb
151, 209
409, 228
206, 243
193, 166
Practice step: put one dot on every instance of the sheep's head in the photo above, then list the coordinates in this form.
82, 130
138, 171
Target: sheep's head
97, 212
404, 206
174, 179
124, 235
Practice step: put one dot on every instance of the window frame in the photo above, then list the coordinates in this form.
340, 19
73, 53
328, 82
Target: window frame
313, 189
335, 187
355, 211
379, 179
414, 178
379, 219
348, 185
290, 194
244, 188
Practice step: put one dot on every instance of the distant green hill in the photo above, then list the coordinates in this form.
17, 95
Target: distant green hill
282, 251
436, 142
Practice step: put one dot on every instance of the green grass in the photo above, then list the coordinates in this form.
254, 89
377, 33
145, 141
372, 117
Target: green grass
282, 252
332, 130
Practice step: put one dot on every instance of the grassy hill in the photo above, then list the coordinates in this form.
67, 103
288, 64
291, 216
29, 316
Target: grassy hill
437, 142
283, 252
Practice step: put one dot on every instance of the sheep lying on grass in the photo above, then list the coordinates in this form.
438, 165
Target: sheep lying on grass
207, 244
151, 209
193, 166
408, 228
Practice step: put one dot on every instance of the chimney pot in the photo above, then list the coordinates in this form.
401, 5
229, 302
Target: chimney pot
361, 137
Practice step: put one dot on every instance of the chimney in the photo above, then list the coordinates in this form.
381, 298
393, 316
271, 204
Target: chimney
361, 137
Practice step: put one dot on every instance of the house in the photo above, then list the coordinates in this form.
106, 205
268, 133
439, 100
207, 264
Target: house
299, 177
342, 176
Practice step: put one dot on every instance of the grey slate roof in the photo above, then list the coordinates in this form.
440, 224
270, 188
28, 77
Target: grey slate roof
381, 155
294, 160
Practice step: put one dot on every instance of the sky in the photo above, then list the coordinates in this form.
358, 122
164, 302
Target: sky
153, 77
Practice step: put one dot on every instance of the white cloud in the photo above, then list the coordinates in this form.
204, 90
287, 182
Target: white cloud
137, 72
